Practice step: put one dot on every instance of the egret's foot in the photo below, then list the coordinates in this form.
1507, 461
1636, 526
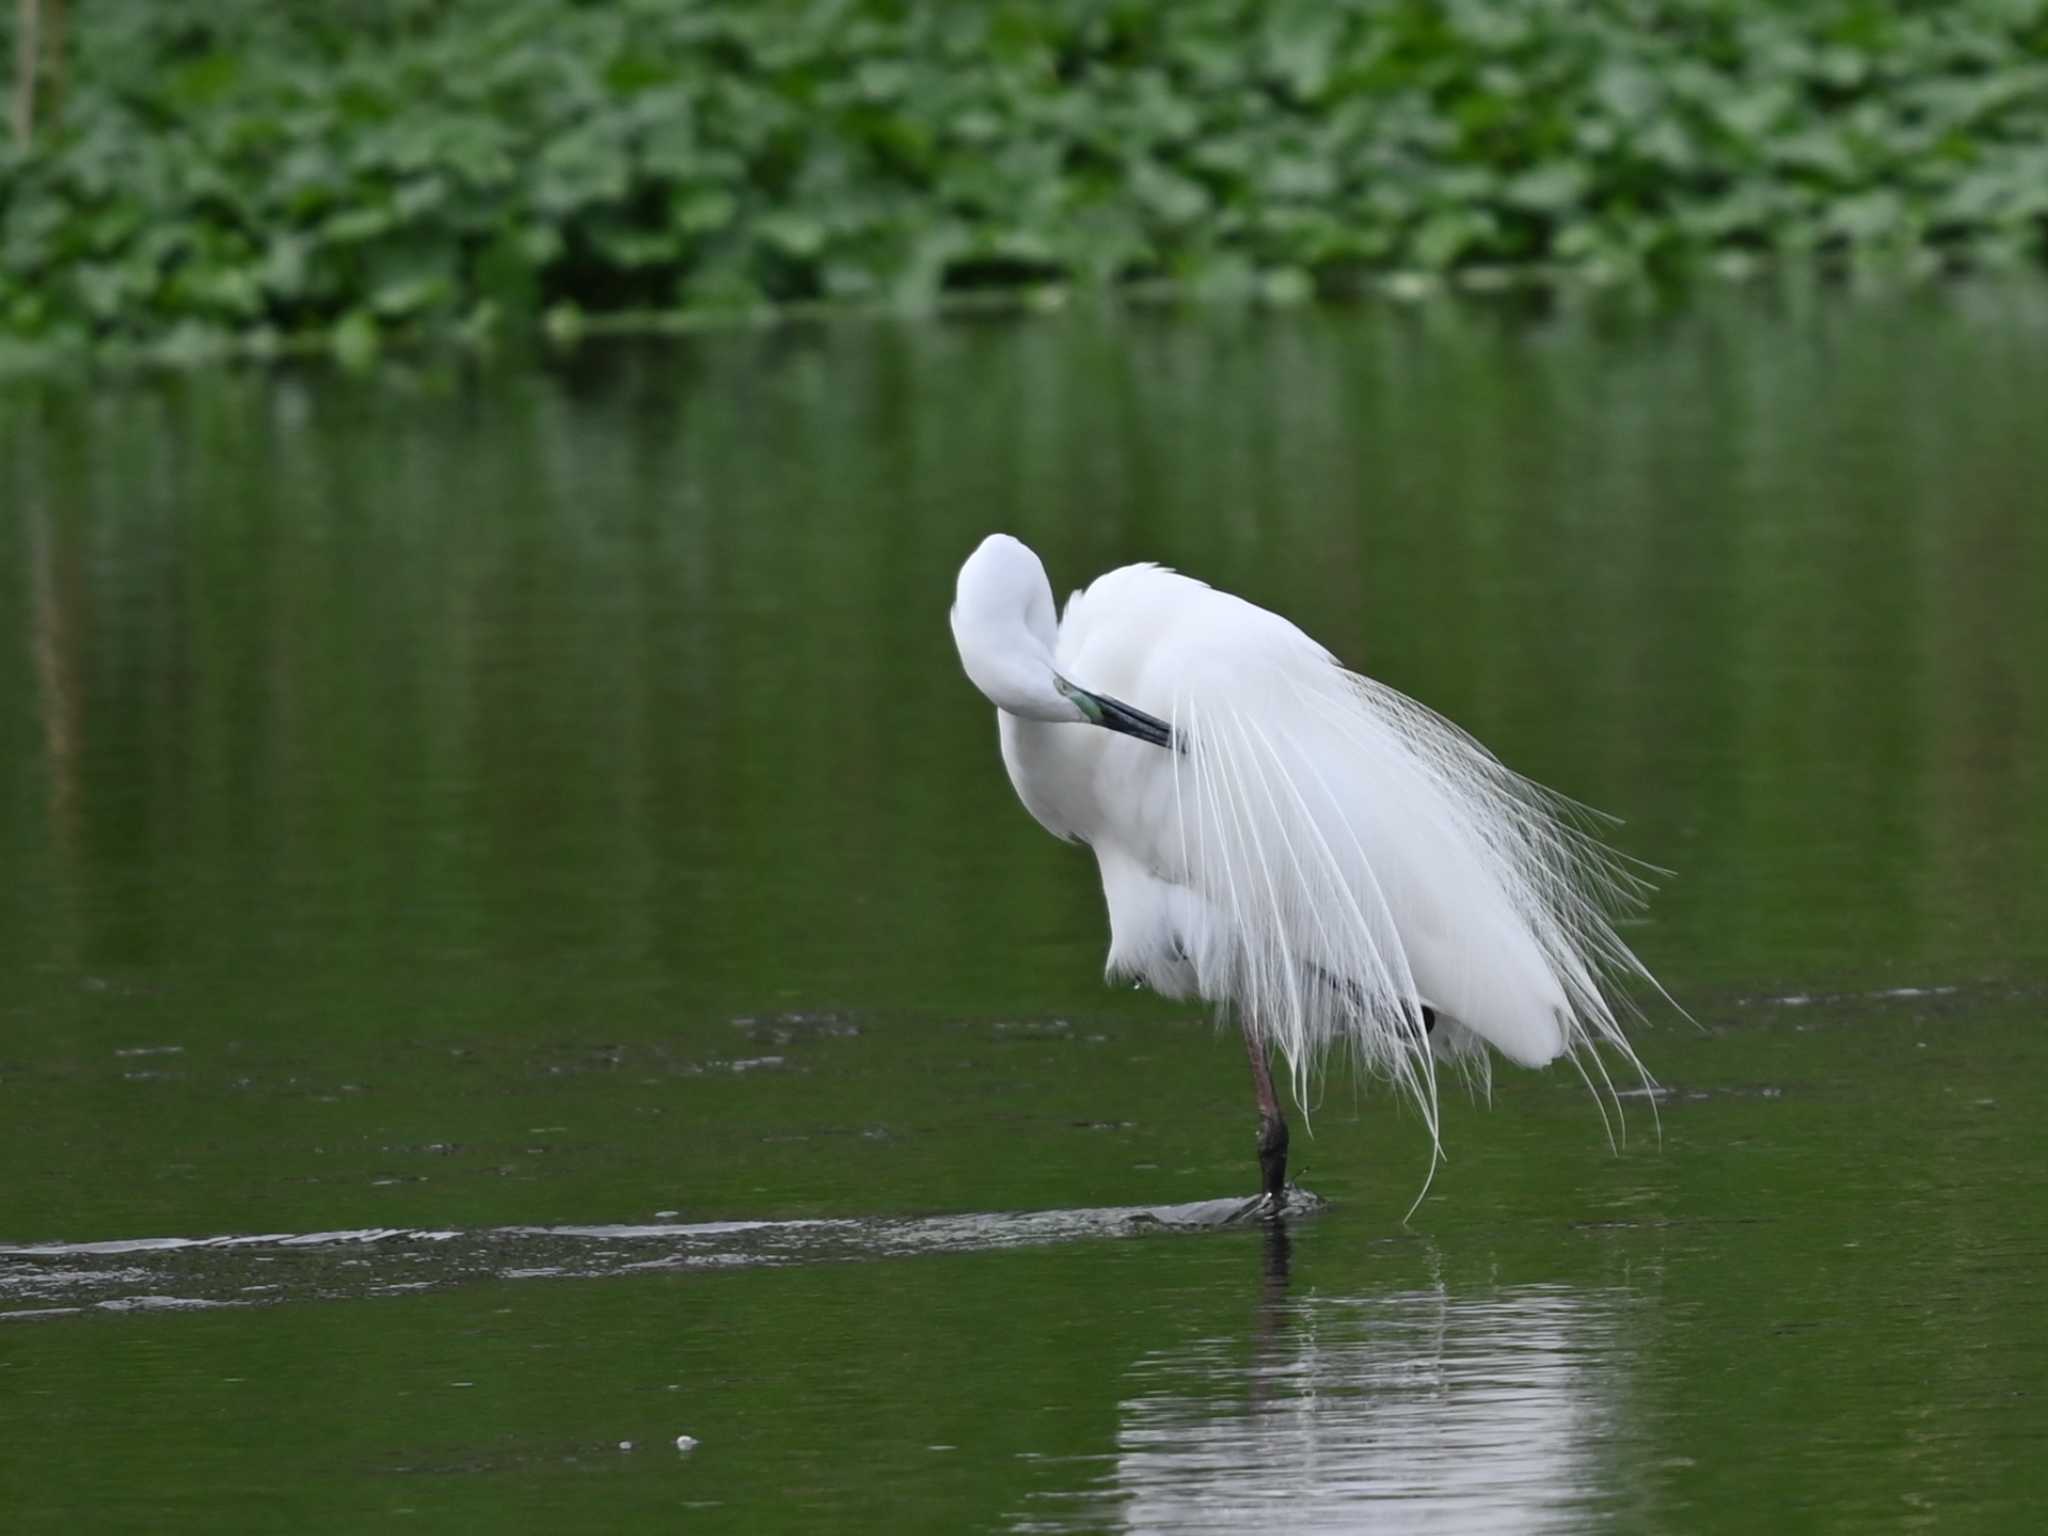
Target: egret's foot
1258, 1208
1294, 1203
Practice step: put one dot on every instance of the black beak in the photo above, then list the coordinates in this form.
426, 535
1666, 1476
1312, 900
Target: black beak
1119, 716
1116, 715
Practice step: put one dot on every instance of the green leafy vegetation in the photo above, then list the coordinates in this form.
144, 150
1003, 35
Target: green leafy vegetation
359, 167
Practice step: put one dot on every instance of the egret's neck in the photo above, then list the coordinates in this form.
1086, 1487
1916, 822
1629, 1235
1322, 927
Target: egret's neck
1005, 626
1014, 670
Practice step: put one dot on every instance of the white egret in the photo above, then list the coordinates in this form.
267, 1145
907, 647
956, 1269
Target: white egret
1309, 850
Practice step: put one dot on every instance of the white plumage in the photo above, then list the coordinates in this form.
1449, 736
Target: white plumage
1311, 850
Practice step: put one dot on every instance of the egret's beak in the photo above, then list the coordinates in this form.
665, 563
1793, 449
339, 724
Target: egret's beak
1116, 715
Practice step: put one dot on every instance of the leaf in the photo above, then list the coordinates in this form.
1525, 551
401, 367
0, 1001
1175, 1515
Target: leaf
1302, 44
232, 292
540, 244
411, 280
103, 288
633, 246
1286, 286
583, 169
1302, 177
356, 341
721, 288
563, 323
1820, 149
357, 225
791, 233
282, 271
1753, 113
669, 150
1869, 216
1549, 188
1627, 90
1443, 238
1168, 195
702, 210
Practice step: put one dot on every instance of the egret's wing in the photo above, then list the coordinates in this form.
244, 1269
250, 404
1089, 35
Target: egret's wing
1351, 855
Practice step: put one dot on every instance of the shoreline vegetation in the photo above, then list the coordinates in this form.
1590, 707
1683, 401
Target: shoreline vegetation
238, 179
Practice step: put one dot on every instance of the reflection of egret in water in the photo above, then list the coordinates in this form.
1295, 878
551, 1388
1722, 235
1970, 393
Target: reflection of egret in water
1419, 1410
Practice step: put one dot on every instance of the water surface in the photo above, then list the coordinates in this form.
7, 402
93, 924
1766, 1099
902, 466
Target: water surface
517, 941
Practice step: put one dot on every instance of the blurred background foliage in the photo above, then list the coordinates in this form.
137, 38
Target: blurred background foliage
258, 170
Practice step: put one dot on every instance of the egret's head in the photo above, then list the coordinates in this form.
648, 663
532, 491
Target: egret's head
1006, 628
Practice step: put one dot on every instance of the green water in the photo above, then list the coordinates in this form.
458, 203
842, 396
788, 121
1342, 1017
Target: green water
518, 820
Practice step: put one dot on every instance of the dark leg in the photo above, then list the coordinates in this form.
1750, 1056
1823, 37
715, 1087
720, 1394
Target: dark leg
1272, 1124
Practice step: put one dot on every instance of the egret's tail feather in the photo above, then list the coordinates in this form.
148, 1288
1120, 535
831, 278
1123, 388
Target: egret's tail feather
1366, 858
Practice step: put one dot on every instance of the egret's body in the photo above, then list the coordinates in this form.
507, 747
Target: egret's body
1286, 839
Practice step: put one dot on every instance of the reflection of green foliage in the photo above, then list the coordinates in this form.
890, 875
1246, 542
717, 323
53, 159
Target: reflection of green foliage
444, 163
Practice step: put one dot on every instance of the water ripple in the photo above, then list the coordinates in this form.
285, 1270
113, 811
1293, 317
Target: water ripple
153, 1273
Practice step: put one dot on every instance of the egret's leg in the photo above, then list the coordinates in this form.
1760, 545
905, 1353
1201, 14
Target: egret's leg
1272, 1124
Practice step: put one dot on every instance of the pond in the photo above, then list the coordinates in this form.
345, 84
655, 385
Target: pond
518, 946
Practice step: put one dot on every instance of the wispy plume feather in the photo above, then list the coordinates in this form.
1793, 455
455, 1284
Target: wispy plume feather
1365, 858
